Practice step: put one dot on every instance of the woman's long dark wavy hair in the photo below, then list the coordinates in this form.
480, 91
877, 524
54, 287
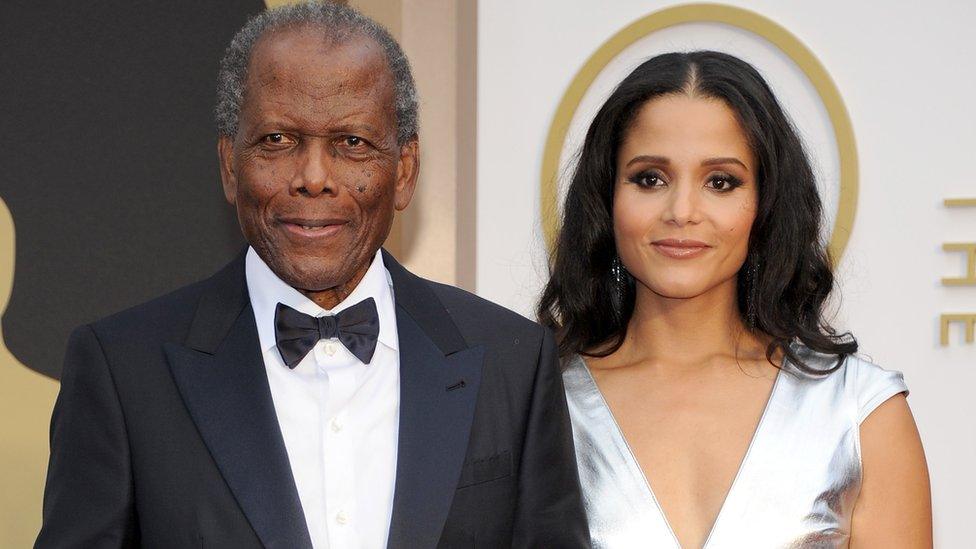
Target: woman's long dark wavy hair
791, 276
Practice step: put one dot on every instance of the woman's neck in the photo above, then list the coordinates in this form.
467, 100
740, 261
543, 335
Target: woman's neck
679, 333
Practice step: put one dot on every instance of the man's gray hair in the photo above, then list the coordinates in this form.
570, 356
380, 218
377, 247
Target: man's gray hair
338, 23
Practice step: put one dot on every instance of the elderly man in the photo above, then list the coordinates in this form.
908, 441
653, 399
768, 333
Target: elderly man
313, 393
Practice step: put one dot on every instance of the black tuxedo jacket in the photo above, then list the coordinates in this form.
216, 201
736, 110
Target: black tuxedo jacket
165, 433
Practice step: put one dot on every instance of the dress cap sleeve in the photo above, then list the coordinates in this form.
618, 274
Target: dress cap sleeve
874, 385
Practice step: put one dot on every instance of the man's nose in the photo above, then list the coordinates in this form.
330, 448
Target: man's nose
684, 205
315, 174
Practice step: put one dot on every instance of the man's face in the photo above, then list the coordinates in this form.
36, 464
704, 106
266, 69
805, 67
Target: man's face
315, 170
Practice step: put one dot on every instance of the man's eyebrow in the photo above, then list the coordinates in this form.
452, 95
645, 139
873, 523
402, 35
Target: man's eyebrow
723, 160
355, 128
649, 158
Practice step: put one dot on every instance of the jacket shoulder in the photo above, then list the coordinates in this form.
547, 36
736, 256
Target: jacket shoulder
480, 320
162, 316
168, 317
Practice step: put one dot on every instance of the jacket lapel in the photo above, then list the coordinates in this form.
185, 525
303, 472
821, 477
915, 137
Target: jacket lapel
439, 380
221, 376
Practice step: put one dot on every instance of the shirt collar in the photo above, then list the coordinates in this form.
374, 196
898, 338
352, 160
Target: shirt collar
266, 290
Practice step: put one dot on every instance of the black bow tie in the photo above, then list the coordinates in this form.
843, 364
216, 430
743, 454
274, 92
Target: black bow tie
356, 328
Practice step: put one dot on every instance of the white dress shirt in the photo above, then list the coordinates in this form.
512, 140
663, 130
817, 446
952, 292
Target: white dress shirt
339, 417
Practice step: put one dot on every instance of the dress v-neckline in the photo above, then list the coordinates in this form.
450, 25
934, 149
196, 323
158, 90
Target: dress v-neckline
636, 468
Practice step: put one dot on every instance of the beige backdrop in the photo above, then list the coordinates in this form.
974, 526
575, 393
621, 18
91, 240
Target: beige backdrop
26, 398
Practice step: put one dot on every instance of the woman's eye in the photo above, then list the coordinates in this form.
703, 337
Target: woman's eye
723, 183
646, 180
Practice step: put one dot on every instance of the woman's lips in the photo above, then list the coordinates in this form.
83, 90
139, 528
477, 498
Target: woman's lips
680, 248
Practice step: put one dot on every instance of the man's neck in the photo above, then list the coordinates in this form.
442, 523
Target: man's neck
329, 298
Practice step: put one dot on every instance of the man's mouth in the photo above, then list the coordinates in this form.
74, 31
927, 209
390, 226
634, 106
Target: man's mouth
312, 228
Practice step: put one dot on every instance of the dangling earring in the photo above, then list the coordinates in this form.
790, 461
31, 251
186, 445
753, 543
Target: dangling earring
616, 270
618, 278
752, 289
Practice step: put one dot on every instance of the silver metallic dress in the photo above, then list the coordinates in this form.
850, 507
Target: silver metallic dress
795, 488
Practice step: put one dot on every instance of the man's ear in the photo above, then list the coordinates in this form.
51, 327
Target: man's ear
228, 178
407, 171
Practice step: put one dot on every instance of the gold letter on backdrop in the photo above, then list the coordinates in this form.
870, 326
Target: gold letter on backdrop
969, 320
969, 279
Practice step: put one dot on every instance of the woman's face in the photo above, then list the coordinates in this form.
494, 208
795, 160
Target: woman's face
685, 196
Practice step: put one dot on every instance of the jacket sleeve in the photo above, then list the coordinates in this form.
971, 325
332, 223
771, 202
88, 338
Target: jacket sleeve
549, 511
88, 496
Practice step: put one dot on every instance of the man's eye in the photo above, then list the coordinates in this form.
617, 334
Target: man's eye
275, 138
353, 141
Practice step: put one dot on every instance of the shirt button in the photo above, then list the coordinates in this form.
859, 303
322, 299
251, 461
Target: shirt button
341, 517
330, 348
336, 425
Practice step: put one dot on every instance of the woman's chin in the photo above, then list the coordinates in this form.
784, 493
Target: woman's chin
679, 289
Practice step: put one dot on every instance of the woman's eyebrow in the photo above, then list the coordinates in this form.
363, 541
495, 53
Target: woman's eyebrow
652, 159
723, 160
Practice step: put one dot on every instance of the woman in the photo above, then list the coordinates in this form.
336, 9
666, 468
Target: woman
712, 402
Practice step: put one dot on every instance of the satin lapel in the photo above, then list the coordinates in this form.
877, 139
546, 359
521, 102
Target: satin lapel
221, 376
437, 399
439, 381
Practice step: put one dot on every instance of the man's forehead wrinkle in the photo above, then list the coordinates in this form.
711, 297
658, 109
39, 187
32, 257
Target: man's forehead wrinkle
321, 117
340, 94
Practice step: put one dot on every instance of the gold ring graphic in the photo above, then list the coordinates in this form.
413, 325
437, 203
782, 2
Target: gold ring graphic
708, 13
